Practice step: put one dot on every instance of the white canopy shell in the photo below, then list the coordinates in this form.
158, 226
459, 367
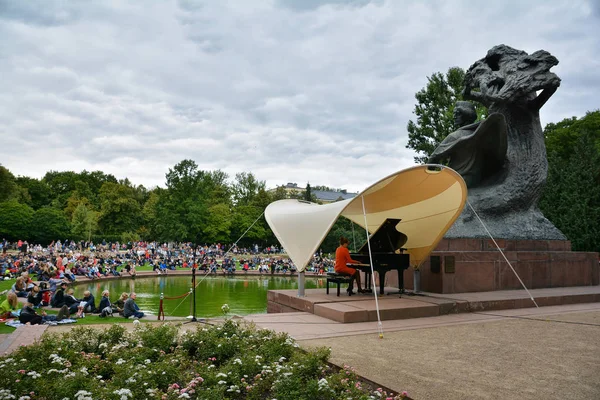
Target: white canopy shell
427, 199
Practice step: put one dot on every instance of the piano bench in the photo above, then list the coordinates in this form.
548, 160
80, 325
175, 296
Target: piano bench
338, 279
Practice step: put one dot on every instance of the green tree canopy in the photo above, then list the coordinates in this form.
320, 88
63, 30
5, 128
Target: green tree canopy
15, 220
571, 198
49, 224
434, 112
119, 209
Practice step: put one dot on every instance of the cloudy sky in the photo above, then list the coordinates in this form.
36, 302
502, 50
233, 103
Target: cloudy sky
291, 90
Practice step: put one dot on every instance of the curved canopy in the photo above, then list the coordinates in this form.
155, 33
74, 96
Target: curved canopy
427, 199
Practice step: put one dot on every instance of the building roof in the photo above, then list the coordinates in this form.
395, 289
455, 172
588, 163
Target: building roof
330, 195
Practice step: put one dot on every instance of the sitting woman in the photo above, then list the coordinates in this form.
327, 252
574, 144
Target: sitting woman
35, 297
119, 305
105, 307
8, 307
19, 288
342, 257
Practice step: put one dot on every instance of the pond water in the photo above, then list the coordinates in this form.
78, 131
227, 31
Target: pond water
244, 294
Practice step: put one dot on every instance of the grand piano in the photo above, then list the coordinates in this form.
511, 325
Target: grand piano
386, 250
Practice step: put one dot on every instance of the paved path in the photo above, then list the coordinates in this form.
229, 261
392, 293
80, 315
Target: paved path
509, 354
22, 336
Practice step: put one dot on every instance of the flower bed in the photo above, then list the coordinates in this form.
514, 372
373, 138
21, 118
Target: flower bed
230, 361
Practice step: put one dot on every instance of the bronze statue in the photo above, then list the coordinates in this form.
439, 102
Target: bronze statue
503, 159
476, 150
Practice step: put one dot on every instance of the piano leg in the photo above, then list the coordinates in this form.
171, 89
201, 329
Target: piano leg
381, 281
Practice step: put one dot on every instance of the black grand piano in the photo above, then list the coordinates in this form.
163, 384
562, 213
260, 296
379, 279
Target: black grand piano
386, 250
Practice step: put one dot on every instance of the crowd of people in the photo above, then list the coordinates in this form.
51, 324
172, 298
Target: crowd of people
43, 275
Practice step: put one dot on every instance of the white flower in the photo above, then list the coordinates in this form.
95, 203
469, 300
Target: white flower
24, 398
124, 393
237, 361
120, 361
147, 361
83, 395
222, 382
282, 359
184, 396
221, 375
34, 375
84, 370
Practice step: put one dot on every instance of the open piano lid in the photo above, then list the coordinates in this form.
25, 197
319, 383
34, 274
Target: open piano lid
387, 238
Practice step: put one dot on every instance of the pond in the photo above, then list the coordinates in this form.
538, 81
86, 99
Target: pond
244, 294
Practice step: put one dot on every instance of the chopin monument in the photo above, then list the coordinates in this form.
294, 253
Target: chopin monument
503, 158
503, 161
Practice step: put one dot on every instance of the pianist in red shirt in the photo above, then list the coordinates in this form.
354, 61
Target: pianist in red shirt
342, 257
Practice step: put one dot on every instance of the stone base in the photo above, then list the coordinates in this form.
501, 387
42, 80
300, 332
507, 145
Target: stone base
476, 265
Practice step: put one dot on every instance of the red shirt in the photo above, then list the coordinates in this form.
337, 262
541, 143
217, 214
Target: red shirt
342, 257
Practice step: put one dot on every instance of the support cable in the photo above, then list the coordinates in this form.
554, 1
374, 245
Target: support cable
379, 325
501, 252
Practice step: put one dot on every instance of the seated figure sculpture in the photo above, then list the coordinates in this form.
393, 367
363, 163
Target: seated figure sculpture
476, 150
503, 158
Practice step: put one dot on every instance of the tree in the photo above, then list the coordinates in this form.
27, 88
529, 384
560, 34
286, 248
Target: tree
563, 137
15, 220
8, 186
218, 224
245, 188
307, 193
119, 210
84, 223
434, 111
37, 190
571, 198
49, 224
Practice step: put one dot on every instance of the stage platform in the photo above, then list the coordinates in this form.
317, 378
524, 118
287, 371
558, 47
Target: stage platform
361, 307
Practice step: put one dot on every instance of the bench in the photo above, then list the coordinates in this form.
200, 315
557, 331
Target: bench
338, 279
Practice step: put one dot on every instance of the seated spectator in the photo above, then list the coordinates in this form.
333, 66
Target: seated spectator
89, 302
105, 307
73, 303
58, 300
119, 305
35, 297
8, 307
19, 288
131, 309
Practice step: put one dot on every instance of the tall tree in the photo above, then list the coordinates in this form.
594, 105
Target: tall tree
15, 220
8, 186
571, 198
37, 190
49, 224
434, 111
119, 209
84, 223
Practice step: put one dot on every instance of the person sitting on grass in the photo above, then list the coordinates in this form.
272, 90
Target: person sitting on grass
19, 288
58, 300
105, 307
90, 302
119, 305
73, 303
8, 307
131, 309
35, 297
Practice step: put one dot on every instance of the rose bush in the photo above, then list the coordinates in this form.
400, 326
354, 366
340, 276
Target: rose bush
229, 361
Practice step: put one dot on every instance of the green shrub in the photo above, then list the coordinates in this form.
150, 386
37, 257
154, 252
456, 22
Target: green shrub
230, 361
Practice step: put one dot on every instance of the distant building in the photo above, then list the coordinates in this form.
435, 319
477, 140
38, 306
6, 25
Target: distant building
323, 196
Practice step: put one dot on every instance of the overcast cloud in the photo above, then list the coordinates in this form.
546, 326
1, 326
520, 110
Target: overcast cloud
291, 90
